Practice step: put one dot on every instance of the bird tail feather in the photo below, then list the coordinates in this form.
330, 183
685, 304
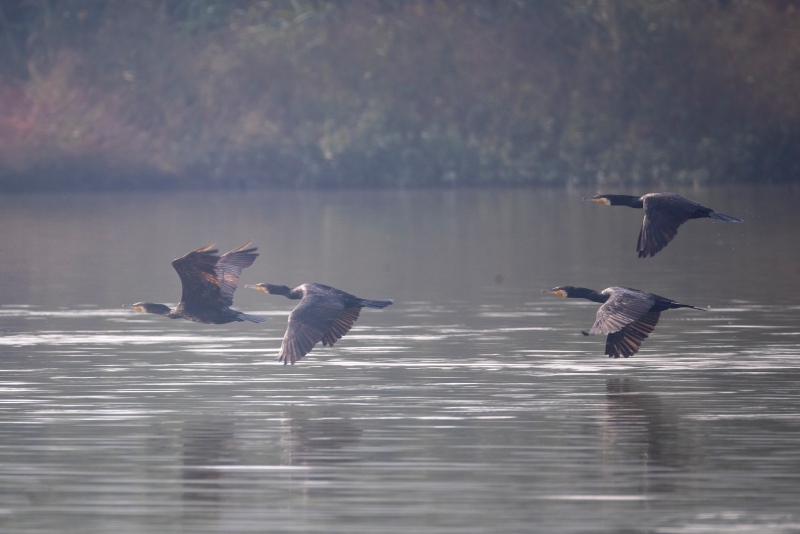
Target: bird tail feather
376, 303
725, 218
690, 306
252, 318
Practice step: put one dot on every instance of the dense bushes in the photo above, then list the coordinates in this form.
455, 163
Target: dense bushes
191, 93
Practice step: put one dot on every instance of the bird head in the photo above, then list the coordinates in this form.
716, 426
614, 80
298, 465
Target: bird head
149, 307
257, 287
600, 199
269, 288
560, 291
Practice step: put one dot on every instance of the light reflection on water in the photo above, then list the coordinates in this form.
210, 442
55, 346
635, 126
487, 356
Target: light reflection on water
480, 410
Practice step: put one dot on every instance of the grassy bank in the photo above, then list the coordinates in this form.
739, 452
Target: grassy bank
237, 93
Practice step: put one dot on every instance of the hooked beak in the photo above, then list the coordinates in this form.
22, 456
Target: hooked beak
598, 199
132, 307
556, 292
257, 287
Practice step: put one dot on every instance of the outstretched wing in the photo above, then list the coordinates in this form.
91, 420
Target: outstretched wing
317, 318
627, 341
663, 215
341, 325
229, 268
624, 307
209, 279
198, 274
309, 322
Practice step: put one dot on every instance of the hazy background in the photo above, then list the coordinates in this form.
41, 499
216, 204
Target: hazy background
112, 94
343, 138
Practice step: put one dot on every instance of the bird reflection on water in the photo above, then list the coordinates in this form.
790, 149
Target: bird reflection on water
638, 426
207, 445
215, 460
314, 439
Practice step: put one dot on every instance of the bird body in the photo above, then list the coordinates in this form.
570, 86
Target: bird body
627, 316
324, 314
664, 213
208, 282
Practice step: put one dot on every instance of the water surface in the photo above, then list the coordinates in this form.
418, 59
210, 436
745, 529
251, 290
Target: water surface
473, 404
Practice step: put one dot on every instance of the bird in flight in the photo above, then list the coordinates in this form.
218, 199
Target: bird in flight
324, 314
208, 282
627, 315
663, 214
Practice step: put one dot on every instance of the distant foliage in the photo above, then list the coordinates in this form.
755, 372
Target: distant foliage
113, 94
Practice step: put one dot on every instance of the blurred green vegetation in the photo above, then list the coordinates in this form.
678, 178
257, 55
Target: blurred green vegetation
114, 94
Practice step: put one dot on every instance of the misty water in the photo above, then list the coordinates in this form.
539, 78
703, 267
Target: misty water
473, 404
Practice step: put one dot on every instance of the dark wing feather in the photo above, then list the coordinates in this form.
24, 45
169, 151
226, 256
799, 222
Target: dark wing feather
308, 323
297, 342
663, 215
229, 268
209, 280
199, 277
341, 326
627, 341
625, 306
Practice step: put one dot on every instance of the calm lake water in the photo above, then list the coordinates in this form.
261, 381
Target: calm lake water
474, 404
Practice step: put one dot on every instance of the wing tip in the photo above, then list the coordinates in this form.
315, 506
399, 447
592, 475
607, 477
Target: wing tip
379, 304
717, 216
249, 242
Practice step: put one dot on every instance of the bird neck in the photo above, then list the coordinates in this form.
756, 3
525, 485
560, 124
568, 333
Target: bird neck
625, 200
287, 292
157, 309
588, 294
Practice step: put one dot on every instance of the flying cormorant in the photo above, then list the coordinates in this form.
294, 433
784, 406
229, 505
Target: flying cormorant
663, 214
208, 282
627, 315
324, 314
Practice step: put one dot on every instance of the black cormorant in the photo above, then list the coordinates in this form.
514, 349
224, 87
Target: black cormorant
208, 282
663, 214
627, 315
324, 314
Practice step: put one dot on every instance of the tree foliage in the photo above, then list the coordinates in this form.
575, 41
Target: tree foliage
189, 93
